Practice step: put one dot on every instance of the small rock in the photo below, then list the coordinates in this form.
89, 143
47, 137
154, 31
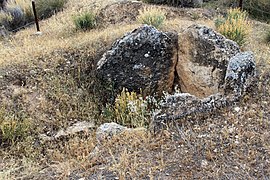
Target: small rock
108, 130
72, 130
80, 127
204, 163
44, 138
237, 109
75, 129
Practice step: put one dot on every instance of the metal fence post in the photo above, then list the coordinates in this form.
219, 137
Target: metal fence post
35, 14
241, 4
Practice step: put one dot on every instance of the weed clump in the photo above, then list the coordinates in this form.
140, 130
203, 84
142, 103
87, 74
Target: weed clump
85, 21
130, 109
152, 16
234, 26
12, 129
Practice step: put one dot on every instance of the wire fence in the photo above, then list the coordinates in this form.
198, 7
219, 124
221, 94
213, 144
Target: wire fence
22, 27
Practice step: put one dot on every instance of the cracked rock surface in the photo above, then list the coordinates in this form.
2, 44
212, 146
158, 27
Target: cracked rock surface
203, 58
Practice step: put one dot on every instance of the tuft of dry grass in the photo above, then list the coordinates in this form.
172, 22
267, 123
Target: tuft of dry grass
235, 26
152, 16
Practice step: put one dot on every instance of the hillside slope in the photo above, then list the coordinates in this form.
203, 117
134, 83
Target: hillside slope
47, 84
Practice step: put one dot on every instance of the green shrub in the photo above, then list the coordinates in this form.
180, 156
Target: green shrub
85, 21
47, 8
129, 110
234, 26
152, 16
12, 129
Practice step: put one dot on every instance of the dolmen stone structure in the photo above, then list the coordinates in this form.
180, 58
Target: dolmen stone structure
210, 70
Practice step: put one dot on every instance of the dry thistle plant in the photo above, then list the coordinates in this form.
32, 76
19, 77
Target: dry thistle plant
129, 110
152, 16
234, 26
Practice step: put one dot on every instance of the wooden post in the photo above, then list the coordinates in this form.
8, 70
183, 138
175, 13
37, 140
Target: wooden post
241, 4
35, 14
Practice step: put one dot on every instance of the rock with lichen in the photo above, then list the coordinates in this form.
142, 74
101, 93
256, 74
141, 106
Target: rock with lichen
203, 58
143, 59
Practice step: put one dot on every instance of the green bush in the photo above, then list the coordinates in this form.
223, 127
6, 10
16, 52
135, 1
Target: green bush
47, 8
234, 26
152, 16
85, 21
12, 129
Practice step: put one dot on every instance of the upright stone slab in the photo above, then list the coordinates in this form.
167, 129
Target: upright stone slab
240, 74
213, 73
143, 59
203, 58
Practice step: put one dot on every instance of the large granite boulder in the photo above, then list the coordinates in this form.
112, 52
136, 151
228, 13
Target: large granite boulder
143, 59
203, 58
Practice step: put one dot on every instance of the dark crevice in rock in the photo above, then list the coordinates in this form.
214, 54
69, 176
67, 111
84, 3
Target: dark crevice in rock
176, 83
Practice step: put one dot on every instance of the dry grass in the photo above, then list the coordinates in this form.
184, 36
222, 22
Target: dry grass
228, 145
152, 16
235, 26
